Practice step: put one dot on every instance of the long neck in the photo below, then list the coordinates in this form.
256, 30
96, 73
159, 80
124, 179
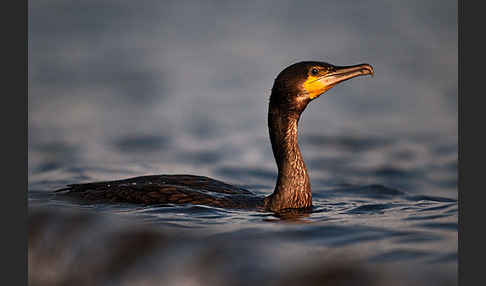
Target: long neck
293, 188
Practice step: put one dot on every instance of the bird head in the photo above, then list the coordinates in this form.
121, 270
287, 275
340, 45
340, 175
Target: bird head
303, 82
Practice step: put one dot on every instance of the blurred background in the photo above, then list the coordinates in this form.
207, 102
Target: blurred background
183, 86
127, 88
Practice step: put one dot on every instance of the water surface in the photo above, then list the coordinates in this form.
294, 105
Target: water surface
119, 89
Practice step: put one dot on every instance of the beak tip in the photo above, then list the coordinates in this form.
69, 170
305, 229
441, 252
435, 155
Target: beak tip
369, 69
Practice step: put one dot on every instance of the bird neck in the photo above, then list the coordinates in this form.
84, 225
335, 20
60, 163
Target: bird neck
293, 188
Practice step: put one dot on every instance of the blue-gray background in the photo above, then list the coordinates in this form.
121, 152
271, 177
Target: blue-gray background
125, 88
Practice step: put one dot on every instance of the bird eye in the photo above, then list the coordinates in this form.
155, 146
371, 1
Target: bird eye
314, 71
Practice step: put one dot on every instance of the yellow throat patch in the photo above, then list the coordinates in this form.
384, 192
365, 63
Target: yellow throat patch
315, 87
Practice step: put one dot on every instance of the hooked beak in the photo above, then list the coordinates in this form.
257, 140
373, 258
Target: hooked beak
341, 74
337, 75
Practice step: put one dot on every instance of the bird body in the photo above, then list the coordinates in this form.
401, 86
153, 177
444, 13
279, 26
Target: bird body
294, 88
160, 189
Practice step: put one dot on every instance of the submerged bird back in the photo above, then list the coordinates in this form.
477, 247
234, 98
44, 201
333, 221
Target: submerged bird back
162, 189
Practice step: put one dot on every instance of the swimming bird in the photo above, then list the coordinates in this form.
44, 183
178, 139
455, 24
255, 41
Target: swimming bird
293, 89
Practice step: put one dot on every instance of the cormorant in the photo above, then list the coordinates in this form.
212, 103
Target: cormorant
293, 89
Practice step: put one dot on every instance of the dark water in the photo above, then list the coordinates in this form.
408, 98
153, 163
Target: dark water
405, 223
118, 89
